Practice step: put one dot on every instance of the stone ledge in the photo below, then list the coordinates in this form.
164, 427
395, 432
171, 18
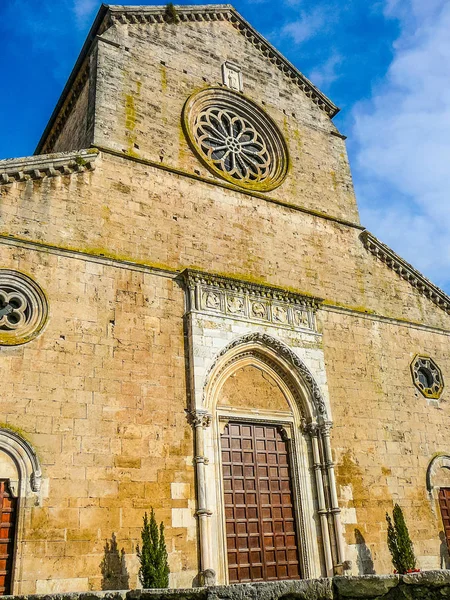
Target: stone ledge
47, 165
415, 586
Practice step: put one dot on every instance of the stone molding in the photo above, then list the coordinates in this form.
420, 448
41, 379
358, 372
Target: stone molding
223, 12
49, 165
247, 301
439, 461
283, 351
24, 456
405, 271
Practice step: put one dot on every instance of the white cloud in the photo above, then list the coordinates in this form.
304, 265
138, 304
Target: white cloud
324, 75
403, 134
306, 26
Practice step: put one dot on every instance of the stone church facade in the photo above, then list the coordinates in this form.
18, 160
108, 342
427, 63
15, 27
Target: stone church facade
193, 319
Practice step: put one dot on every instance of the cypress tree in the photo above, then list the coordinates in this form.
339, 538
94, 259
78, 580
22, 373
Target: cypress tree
399, 542
154, 569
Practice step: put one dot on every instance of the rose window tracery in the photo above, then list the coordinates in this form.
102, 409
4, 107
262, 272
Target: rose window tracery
23, 308
235, 139
13, 310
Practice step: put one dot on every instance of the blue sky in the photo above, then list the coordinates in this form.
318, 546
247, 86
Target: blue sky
385, 63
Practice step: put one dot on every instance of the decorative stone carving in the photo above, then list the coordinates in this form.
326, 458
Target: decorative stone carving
279, 314
232, 76
427, 377
211, 300
199, 418
235, 139
235, 305
252, 302
285, 352
25, 458
23, 308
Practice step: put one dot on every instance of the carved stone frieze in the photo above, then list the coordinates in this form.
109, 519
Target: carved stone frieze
248, 301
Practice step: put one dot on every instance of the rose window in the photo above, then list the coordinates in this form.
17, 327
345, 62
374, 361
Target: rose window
23, 308
427, 376
235, 139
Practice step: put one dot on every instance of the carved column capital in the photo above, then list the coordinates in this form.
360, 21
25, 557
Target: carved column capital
199, 418
311, 429
325, 428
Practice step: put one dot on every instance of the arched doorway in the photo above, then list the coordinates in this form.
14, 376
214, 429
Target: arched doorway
20, 477
267, 505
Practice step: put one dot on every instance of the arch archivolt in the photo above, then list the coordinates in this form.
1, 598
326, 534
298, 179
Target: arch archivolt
283, 360
307, 428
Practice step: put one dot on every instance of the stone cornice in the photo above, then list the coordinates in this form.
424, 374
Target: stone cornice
406, 271
47, 165
193, 277
225, 12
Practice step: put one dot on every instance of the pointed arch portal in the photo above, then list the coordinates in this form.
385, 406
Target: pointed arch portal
261, 411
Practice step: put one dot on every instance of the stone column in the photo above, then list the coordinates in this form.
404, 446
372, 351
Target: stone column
325, 429
313, 431
200, 420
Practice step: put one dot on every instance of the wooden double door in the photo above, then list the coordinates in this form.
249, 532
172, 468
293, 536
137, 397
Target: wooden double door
259, 509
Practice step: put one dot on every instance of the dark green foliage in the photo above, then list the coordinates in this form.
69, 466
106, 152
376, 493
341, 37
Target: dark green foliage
154, 570
171, 13
399, 542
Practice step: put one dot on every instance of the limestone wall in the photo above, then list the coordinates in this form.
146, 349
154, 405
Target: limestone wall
101, 393
101, 397
385, 434
132, 211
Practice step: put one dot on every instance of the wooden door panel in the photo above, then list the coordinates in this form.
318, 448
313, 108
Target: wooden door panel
444, 503
260, 525
8, 507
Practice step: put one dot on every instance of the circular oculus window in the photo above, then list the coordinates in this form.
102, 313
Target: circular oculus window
235, 139
23, 308
427, 376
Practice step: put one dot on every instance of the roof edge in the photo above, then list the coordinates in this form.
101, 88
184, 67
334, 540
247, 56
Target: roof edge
405, 271
85, 50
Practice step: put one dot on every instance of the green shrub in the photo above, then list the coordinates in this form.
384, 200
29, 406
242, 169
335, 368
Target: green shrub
399, 542
154, 569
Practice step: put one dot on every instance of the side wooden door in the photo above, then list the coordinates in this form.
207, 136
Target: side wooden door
8, 517
444, 503
259, 510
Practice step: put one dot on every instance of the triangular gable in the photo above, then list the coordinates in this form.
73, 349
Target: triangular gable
110, 14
